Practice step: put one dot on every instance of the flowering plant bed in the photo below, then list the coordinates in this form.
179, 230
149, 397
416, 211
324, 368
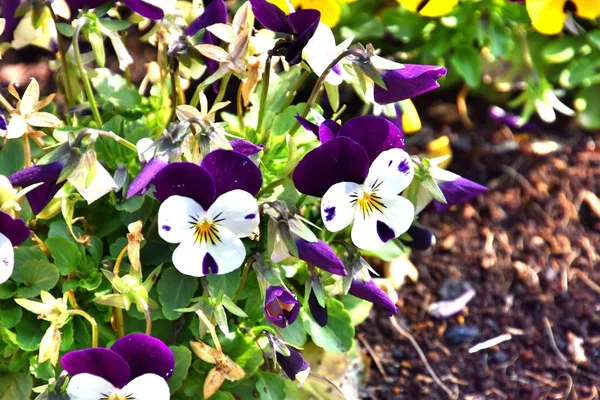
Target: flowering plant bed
158, 242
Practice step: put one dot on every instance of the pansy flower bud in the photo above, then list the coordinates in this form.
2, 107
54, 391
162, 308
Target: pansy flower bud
281, 306
369, 291
294, 365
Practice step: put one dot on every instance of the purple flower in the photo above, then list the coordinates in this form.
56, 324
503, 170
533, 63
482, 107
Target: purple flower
281, 307
9, 7
136, 366
47, 175
321, 255
294, 365
512, 120
411, 81
144, 179
13, 232
422, 238
318, 313
301, 24
245, 147
369, 291
145, 9
207, 209
458, 191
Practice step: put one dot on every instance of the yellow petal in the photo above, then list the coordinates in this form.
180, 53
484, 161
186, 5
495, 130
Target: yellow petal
330, 10
429, 8
547, 16
411, 122
282, 4
589, 9
438, 148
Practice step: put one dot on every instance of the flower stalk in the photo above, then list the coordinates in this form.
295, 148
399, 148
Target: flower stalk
69, 94
83, 73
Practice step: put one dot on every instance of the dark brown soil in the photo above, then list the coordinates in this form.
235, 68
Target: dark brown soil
535, 214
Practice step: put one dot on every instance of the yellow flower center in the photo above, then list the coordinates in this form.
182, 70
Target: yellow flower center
368, 202
117, 396
206, 231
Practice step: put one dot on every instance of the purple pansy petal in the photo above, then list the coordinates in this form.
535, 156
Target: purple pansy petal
339, 160
306, 124
79, 4
422, 238
457, 192
14, 229
9, 7
281, 307
305, 23
39, 197
185, 179
385, 232
245, 147
293, 364
231, 170
328, 130
409, 82
146, 10
143, 180
321, 255
145, 355
369, 291
318, 313
271, 17
374, 134
214, 13
512, 120
99, 362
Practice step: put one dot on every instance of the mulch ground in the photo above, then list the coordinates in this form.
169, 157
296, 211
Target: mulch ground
530, 249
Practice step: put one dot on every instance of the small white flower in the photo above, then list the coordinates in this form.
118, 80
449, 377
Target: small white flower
378, 211
209, 241
145, 387
321, 50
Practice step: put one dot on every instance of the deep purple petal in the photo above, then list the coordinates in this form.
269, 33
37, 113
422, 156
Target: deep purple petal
79, 4
9, 7
328, 130
39, 197
144, 179
14, 229
293, 364
422, 238
318, 313
305, 23
306, 124
145, 355
457, 192
385, 232
100, 362
374, 134
339, 160
231, 170
214, 13
321, 255
271, 17
185, 179
369, 291
209, 265
281, 307
409, 82
245, 147
146, 10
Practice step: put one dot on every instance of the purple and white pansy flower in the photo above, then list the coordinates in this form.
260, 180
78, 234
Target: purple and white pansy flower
281, 306
137, 366
360, 171
13, 232
207, 209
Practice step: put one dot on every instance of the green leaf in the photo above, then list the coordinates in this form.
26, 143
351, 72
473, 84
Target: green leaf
37, 275
131, 205
65, 253
10, 315
11, 157
561, 49
30, 332
65, 29
97, 42
15, 386
114, 24
467, 63
337, 336
232, 307
358, 309
270, 386
333, 94
183, 360
587, 103
224, 284
174, 292
294, 334
113, 88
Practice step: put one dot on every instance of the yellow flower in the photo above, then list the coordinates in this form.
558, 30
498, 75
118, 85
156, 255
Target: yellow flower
549, 16
440, 147
429, 8
330, 9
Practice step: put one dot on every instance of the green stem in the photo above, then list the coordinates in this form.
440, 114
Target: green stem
245, 271
118, 312
264, 93
270, 187
222, 88
63, 61
83, 73
300, 201
292, 93
92, 322
174, 72
319, 84
147, 315
116, 138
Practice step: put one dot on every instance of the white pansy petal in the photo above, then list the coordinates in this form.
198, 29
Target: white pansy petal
198, 258
338, 205
145, 149
146, 387
364, 231
399, 214
7, 258
391, 172
89, 387
102, 183
237, 211
17, 126
176, 217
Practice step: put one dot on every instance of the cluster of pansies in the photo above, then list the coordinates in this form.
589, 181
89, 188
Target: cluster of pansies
255, 229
